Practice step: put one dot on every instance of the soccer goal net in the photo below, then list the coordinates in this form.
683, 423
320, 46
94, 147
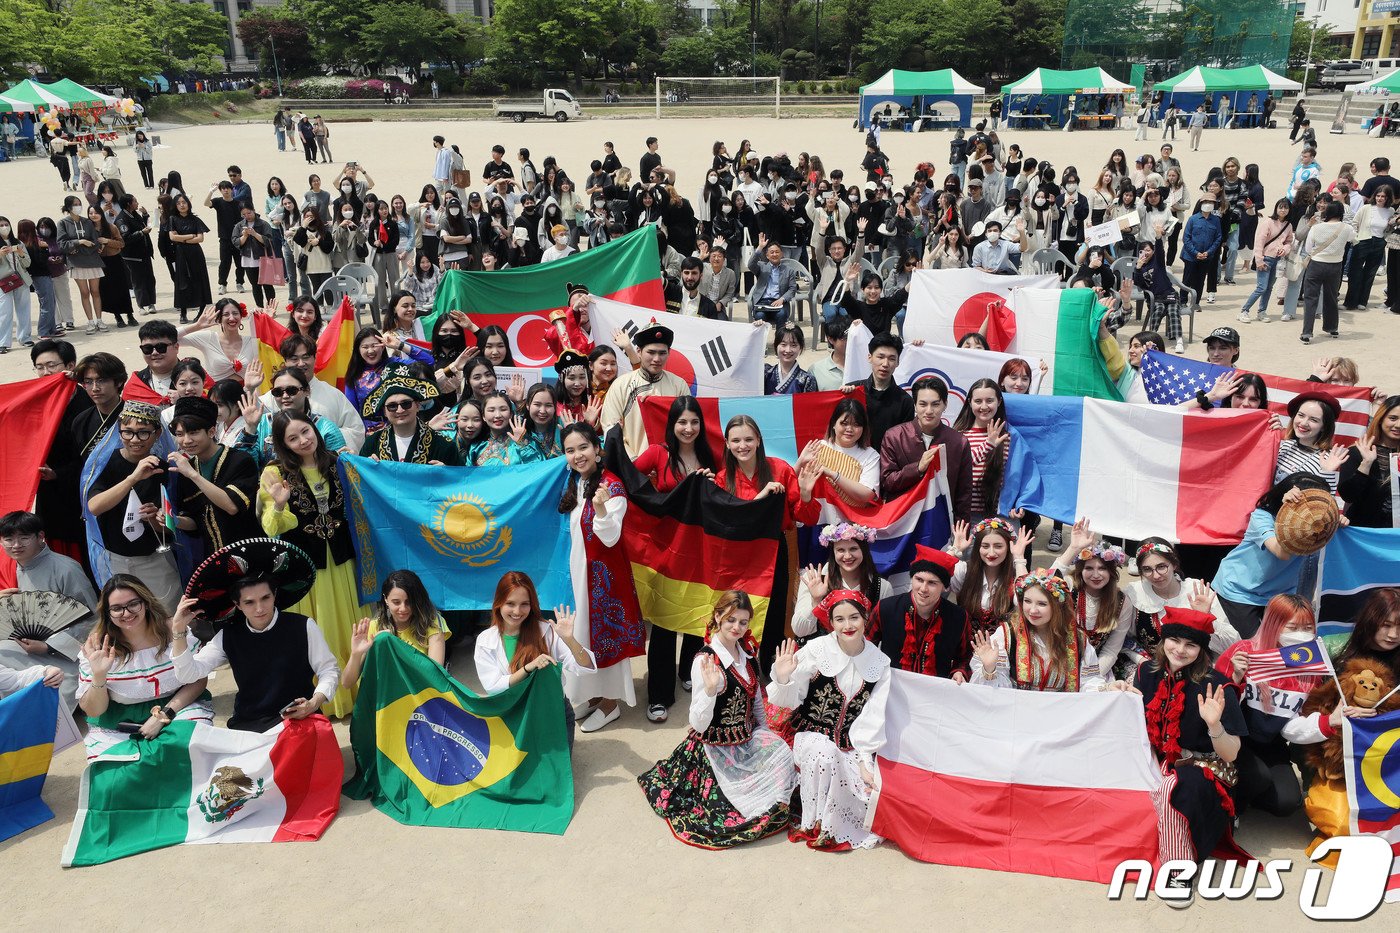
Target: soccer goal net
681, 97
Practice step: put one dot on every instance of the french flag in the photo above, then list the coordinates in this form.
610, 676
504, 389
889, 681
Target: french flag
1139, 470
921, 515
1057, 784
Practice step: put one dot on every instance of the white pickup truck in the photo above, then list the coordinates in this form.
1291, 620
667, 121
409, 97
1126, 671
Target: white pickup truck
554, 104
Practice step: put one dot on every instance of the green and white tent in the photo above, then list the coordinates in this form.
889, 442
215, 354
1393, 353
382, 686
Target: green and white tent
1385, 83
1048, 82
14, 105
75, 95
943, 92
1203, 80
33, 93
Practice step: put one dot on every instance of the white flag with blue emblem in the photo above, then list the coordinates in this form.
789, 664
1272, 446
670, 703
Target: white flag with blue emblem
715, 358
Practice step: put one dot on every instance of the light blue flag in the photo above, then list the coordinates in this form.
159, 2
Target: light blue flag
1355, 563
27, 722
459, 528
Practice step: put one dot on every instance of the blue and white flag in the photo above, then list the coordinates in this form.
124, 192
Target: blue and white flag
459, 528
1355, 563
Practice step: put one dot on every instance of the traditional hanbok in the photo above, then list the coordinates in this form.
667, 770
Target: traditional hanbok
608, 621
730, 779
839, 722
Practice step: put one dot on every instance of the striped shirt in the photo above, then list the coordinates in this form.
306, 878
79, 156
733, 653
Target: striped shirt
1293, 457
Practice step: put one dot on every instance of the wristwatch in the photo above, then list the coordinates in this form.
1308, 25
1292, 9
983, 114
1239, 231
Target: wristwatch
168, 713
1203, 400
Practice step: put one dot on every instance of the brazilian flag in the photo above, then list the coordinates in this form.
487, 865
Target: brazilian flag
429, 752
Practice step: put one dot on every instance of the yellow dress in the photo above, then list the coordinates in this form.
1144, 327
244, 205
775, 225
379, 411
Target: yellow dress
334, 598
439, 627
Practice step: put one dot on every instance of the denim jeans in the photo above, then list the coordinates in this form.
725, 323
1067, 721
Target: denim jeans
48, 321
281, 138
14, 317
1263, 286
960, 170
1291, 294
1232, 252
775, 316
831, 312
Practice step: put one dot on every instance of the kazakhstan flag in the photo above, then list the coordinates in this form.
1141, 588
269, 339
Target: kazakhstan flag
429, 752
28, 719
459, 528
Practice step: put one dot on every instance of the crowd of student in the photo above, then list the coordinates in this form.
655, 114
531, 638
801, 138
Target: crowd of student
258, 473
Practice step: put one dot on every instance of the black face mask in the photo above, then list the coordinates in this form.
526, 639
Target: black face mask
453, 343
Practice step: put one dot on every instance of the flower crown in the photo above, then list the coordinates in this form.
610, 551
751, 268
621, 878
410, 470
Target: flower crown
1105, 552
845, 531
993, 523
1150, 547
1049, 581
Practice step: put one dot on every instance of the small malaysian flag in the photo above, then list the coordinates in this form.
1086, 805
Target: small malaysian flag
1171, 380
1305, 660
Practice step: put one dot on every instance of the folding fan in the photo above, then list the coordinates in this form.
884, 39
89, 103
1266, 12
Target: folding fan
38, 614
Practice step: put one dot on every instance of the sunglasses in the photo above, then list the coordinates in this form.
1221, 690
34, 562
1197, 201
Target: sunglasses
285, 391
399, 406
150, 349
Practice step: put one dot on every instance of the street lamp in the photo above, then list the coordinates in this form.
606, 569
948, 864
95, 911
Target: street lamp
1307, 65
275, 68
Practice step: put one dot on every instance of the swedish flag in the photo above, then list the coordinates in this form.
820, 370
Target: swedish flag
27, 722
429, 752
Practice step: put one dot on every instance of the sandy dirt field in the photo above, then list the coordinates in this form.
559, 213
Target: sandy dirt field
618, 866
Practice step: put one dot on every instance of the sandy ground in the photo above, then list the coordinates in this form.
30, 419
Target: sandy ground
617, 864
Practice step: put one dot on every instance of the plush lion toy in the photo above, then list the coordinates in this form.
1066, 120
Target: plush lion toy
1364, 683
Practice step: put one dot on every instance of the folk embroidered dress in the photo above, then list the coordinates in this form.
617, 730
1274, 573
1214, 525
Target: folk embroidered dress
1024, 662
730, 779
608, 620
143, 679
839, 717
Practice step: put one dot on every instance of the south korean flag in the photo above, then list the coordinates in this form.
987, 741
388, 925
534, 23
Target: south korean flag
715, 358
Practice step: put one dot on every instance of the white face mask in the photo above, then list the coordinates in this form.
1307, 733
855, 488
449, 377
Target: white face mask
347, 214
1207, 208
4, 229
1289, 639
993, 236
1071, 187
347, 188
713, 179
1039, 202
76, 210
726, 207
560, 240
454, 211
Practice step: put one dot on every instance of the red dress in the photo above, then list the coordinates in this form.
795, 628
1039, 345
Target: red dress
615, 628
796, 510
575, 339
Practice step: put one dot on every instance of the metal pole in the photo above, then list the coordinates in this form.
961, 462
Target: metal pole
1307, 66
275, 68
658, 97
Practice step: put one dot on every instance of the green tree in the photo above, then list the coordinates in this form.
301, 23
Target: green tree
689, 55
186, 36
98, 41
553, 34
406, 35
22, 23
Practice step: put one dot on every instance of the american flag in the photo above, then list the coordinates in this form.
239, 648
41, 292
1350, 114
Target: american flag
1170, 380
1305, 660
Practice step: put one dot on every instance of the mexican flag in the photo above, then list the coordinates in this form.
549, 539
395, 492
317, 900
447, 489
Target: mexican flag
627, 269
429, 752
195, 783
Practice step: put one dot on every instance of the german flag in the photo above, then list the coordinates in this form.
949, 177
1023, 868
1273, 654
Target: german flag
690, 545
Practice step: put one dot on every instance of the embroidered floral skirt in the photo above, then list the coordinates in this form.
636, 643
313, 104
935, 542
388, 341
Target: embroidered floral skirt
691, 790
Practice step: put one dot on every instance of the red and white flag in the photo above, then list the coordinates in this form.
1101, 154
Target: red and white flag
1354, 400
947, 304
1040, 783
1305, 660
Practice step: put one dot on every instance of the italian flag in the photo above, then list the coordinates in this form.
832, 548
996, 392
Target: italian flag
627, 269
1061, 327
195, 783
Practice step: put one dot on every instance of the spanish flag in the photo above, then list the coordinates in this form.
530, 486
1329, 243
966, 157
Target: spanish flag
692, 544
335, 345
27, 723
270, 335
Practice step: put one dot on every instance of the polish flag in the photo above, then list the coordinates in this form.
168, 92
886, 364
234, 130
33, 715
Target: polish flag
1057, 784
1138, 470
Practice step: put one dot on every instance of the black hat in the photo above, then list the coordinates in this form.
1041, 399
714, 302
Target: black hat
289, 571
1225, 335
398, 379
569, 359
1014, 194
653, 333
199, 408
575, 287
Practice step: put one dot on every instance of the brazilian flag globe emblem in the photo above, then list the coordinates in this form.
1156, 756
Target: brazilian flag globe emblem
429, 752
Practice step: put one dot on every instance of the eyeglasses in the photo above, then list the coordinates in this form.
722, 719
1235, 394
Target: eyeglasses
1160, 570
399, 406
48, 369
130, 435
150, 349
95, 383
126, 609
285, 391
18, 540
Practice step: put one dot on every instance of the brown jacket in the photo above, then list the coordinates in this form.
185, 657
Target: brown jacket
903, 447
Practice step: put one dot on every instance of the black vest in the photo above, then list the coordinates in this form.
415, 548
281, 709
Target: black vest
828, 711
316, 530
731, 723
952, 646
271, 667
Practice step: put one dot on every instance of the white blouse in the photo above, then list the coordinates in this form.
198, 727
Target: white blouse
804, 623
960, 574
493, 667
702, 705
825, 656
1145, 599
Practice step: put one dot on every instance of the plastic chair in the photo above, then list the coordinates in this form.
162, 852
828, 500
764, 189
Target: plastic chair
805, 285
1123, 268
888, 266
1189, 308
339, 287
363, 273
1049, 260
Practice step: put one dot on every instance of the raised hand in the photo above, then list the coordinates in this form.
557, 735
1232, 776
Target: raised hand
1080, 536
185, 615
785, 662
1211, 705
1023, 539
516, 392
1240, 667
961, 537
564, 619
1322, 369
517, 429
984, 651
816, 584
1367, 447
100, 657
1332, 460
807, 479
1202, 597
996, 433
713, 676
279, 490
359, 638
253, 377
252, 410
600, 498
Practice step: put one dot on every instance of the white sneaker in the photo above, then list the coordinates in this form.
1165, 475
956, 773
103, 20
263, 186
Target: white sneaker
223, 289
90, 329
1244, 317
599, 719
1210, 298
1179, 348
101, 328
